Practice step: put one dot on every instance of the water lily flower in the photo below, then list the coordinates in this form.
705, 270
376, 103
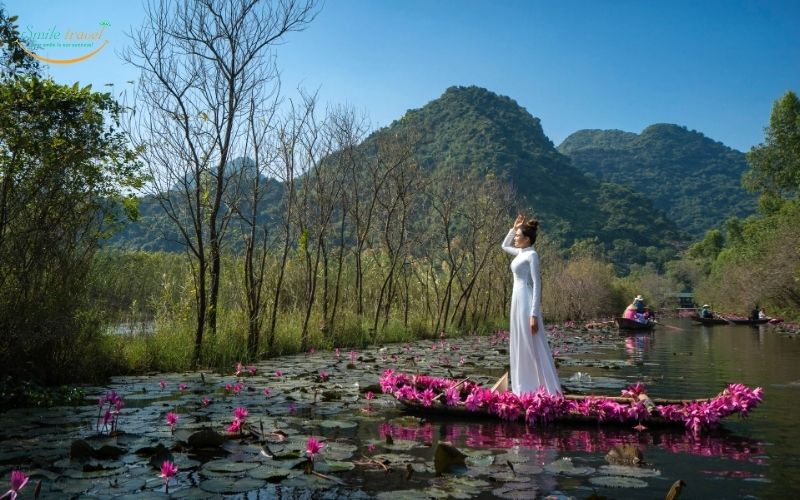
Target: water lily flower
237, 388
168, 471
239, 368
228, 387
323, 376
181, 387
206, 401
312, 351
252, 370
266, 391
172, 420
369, 396
18, 481
313, 447
279, 374
162, 384
353, 356
337, 352
235, 426
240, 413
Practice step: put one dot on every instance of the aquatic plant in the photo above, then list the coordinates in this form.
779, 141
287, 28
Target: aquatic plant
313, 447
18, 481
168, 471
109, 416
172, 420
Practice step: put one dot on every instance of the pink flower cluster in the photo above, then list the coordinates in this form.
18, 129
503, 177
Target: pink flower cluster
541, 407
239, 418
109, 416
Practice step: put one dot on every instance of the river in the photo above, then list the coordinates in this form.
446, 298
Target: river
373, 449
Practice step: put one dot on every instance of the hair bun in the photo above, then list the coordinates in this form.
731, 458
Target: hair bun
533, 223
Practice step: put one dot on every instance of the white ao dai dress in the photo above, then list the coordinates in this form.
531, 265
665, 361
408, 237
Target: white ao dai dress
532, 364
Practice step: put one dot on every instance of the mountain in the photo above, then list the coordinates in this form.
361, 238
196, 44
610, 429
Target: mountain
694, 179
470, 129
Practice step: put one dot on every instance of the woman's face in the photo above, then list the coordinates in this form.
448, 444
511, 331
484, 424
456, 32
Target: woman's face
520, 240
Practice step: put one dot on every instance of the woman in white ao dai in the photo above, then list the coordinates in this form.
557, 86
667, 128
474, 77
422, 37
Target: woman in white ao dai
532, 364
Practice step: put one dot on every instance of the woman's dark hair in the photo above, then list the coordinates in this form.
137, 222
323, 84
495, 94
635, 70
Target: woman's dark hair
529, 229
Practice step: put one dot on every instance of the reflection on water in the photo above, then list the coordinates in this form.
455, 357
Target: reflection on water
497, 435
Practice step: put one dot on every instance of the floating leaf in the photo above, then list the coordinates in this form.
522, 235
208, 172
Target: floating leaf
618, 482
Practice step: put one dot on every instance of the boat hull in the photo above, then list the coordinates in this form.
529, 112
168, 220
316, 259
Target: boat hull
629, 324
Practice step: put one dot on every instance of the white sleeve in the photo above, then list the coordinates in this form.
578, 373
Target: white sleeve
508, 243
536, 279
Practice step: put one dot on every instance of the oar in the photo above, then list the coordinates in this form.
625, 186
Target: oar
442, 394
668, 326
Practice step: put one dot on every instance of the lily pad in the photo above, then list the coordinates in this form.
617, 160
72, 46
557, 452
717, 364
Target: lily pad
269, 473
566, 467
231, 486
624, 470
618, 482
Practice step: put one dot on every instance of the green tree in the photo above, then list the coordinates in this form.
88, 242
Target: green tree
63, 176
14, 60
775, 173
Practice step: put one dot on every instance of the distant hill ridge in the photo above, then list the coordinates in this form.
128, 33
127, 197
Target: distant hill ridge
694, 179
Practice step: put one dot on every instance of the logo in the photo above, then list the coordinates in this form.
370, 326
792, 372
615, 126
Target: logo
68, 39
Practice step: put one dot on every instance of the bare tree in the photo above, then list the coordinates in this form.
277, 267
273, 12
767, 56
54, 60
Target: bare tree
200, 61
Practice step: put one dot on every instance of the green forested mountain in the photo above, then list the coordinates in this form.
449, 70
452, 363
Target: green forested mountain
470, 130
473, 129
694, 179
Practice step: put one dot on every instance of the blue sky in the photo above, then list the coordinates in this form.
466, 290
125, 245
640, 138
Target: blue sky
713, 66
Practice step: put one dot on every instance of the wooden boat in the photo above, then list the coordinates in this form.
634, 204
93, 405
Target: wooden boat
629, 324
750, 321
710, 321
428, 396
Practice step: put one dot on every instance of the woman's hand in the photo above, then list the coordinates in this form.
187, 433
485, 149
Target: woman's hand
519, 221
534, 325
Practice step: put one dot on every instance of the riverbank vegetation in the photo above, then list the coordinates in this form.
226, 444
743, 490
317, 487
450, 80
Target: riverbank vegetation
296, 229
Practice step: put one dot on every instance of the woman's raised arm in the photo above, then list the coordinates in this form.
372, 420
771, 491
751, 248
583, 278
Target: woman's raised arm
508, 243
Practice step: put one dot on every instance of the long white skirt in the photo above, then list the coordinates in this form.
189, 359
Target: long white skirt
531, 360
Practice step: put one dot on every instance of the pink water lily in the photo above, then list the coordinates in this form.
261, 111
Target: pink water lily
172, 420
18, 481
252, 370
313, 447
279, 374
353, 355
168, 471
181, 387
239, 368
235, 426
266, 391
369, 396
206, 401
323, 376
162, 384
240, 413
337, 353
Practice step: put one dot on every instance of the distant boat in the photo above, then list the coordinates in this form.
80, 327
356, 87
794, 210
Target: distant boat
710, 321
629, 324
723, 321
